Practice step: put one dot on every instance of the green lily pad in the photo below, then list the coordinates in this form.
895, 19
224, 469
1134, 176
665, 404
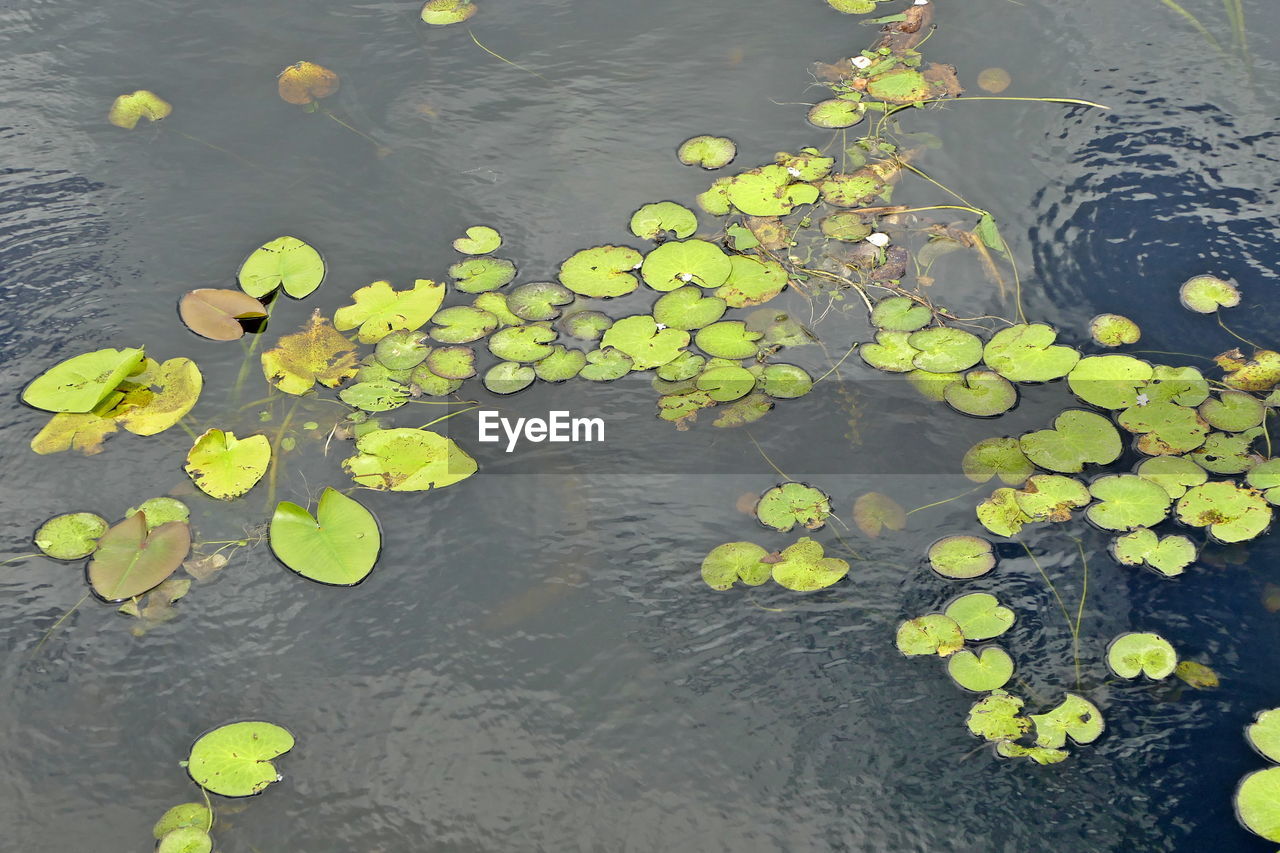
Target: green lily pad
1114, 330
932, 634
752, 282
899, 313
379, 310
235, 760
683, 407
768, 191
789, 504
402, 350
688, 308
523, 343
680, 262
1223, 453
856, 189
424, 381
539, 300
72, 536
131, 559
981, 394
1196, 675
1109, 381
462, 324
1263, 734
899, 86
715, 200
452, 362
962, 557
563, 364
1133, 654
640, 338
848, 226
1127, 501
79, 384
1259, 373
338, 546
785, 381
127, 110
1169, 556
159, 396
1002, 457
1165, 428
709, 152
803, 568
735, 561
853, 7
318, 353
1001, 514
226, 467
891, 352
482, 274
945, 350
495, 302
441, 13
874, 512
1185, 386
997, 718
1233, 411
980, 616
654, 220
1264, 476
187, 839
508, 377
1205, 294
216, 314
283, 262
682, 368
728, 339
1026, 353
1038, 754
1051, 497
933, 386
408, 460
1076, 439
605, 365
1174, 474
1257, 803
591, 325
187, 814
1232, 513
727, 383
1076, 718
749, 409
382, 396
480, 239
808, 165
161, 510
836, 113
604, 271
989, 670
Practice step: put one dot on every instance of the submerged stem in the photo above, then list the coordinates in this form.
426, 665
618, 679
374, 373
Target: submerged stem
947, 500
781, 473
63, 618
1195, 22
19, 557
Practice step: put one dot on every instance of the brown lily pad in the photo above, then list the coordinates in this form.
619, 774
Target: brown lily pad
216, 314
305, 82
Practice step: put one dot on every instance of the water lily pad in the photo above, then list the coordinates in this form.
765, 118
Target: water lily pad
408, 460
1263, 734
1223, 453
1259, 373
962, 557
604, 271
424, 381
187, 839
836, 113
606, 365
1109, 381
980, 616
1169, 556
306, 82
481, 274
381, 396
319, 353
874, 512
683, 367
1257, 803
899, 86
495, 302
981, 394
283, 262
79, 384
1165, 428
1196, 675
452, 362
1114, 330
561, 365
1205, 294
1076, 439
127, 110
379, 310
591, 325
997, 718
945, 350
523, 343
688, 308
681, 262
161, 510
1076, 718
159, 396
853, 7
72, 536
932, 634
715, 200
1232, 513
131, 559
891, 352
1185, 386
539, 300
735, 561
900, 313
216, 314
709, 152
508, 377
785, 381
855, 189
1001, 514
187, 814
1051, 497
768, 191
1026, 353
226, 467
683, 407
1038, 754
789, 504
1002, 457
848, 226
802, 567
400, 351
338, 546
640, 338
1233, 411
1134, 654
462, 324
726, 383
480, 239
808, 165
657, 219
989, 670
728, 339
1127, 501
1174, 474
749, 409
752, 282
235, 760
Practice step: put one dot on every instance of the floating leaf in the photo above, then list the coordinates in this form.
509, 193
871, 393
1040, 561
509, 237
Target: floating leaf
606, 365
480, 239
72, 536
996, 717
604, 271
688, 308
789, 504
891, 352
848, 226
1038, 754
994, 80
735, 561
1127, 501
1257, 803
462, 324
1026, 353
380, 310
1204, 294
235, 760
1227, 454
478, 275
728, 339
1165, 428
802, 567
79, 384
932, 634
160, 396
715, 200
305, 82
709, 152
1076, 439
1169, 556
318, 353
989, 670
1002, 457
1076, 718
283, 262
785, 381
681, 368
1174, 474
401, 351
945, 350
962, 557
900, 313
980, 616
131, 560
725, 383
853, 7
1263, 734
1259, 373
1233, 411
640, 338
681, 262
188, 839
899, 86
563, 364
408, 460
1231, 513
225, 467
452, 362
496, 304
590, 325
187, 814
1196, 675
338, 546
1001, 514
1114, 330
539, 300
874, 512
749, 409
1109, 381
768, 191
127, 110
855, 189
1051, 497
752, 282
508, 377
654, 220
836, 113
981, 393
380, 396
933, 386
161, 510
523, 343
216, 314
1185, 386
1134, 654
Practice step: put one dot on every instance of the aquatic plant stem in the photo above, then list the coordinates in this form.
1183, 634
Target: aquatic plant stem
63, 618
1234, 335
446, 417
508, 61
1195, 22
209, 807
222, 150
1061, 604
273, 474
947, 500
781, 473
1084, 595
836, 366
248, 356
19, 557
327, 112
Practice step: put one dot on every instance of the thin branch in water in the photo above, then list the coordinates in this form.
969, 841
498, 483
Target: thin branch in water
19, 557
446, 417
947, 500
781, 473
63, 618
836, 366
508, 61
1195, 22
1234, 335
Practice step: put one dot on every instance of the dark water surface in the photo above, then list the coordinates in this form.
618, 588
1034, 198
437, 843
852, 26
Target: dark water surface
535, 663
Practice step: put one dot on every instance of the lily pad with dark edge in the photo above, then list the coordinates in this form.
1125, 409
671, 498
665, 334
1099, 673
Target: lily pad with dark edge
400, 351
1051, 497
1263, 734
462, 324
1001, 513
235, 760
932, 634
452, 362
523, 343
989, 669
1114, 330
590, 325
997, 717
127, 110
1133, 654
875, 512
933, 386
899, 86
186, 839
980, 616
945, 350
508, 377
683, 367
306, 82
1205, 294
900, 313
1233, 411
659, 218
980, 394
1077, 438
962, 557
836, 113
79, 384
539, 300
1076, 718
563, 364
735, 561
283, 262
495, 302
789, 504
71, 536
752, 282
709, 152
1231, 513
602, 272
225, 467
480, 239
379, 310
423, 381
643, 342
216, 314
728, 339
381, 396
1257, 803
785, 381
725, 383
803, 567
1027, 353
338, 546
1169, 556
317, 354
186, 814
1127, 501
1002, 457
688, 308
481, 274
408, 460
131, 560
1109, 381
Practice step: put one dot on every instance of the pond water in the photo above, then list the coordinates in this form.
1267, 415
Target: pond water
535, 663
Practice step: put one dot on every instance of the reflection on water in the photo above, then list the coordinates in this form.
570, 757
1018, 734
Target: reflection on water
535, 663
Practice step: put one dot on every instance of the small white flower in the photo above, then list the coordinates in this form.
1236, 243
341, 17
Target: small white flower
793, 171
861, 62
1143, 399
684, 276
878, 239
659, 326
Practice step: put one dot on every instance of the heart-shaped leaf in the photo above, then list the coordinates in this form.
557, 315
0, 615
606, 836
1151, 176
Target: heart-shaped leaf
235, 760
1051, 497
991, 669
1258, 803
728, 339
1165, 428
225, 467
931, 634
1002, 457
539, 300
945, 350
379, 310
663, 217
462, 324
688, 308
980, 616
481, 274
319, 353
160, 396
305, 82
752, 282
1232, 513
802, 567
1025, 353
680, 262
524, 343
874, 512
1001, 513
131, 560
1169, 556
1113, 330
508, 377
641, 339
789, 504
997, 718
1263, 734
1076, 718
480, 239
709, 152
603, 272
1109, 381
982, 393
1205, 294
339, 546
408, 460
1127, 501
962, 557
1076, 439
283, 262
900, 313
735, 561
127, 110
79, 384
216, 314
72, 536
1134, 654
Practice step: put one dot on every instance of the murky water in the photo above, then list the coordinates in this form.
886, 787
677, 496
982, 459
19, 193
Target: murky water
535, 664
